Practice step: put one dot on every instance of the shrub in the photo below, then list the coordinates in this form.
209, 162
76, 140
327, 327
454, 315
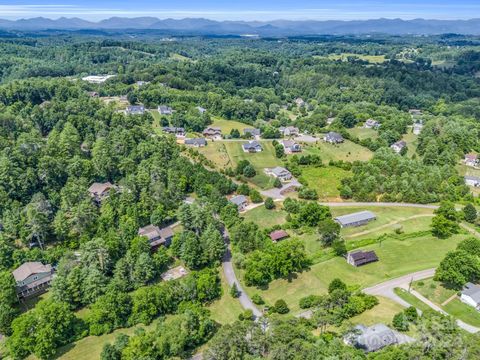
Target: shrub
246, 315
234, 291
269, 204
281, 307
257, 299
309, 301
400, 322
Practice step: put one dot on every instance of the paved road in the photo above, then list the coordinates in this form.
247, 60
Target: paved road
385, 289
245, 301
379, 204
276, 193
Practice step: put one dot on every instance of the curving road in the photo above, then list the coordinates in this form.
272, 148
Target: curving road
227, 266
379, 204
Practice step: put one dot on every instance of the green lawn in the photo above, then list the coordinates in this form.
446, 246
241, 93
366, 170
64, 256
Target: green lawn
467, 170
433, 290
226, 309
228, 125
363, 133
266, 218
412, 142
382, 313
229, 153
464, 312
347, 151
397, 257
325, 181
412, 299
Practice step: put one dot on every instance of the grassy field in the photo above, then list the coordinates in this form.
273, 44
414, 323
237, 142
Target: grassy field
363, 133
439, 294
373, 59
348, 151
411, 299
228, 125
229, 153
266, 218
325, 181
226, 309
381, 313
397, 257
412, 142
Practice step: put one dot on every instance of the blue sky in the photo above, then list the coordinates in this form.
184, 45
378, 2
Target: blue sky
244, 9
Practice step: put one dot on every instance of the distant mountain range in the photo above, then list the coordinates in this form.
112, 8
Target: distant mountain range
199, 26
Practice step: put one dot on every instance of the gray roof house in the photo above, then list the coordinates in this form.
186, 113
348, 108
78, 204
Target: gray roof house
289, 131
213, 133
100, 191
471, 295
33, 278
165, 110
290, 146
156, 236
472, 181
398, 146
355, 219
240, 200
179, 131
196, 142
280, 173
251, 131
417, 128
371, 124
252, 146
376, 337
135, 110
333, 138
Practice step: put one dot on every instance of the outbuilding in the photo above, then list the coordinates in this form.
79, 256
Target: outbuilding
355, 219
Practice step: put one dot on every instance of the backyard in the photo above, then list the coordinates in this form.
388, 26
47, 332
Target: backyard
347, 151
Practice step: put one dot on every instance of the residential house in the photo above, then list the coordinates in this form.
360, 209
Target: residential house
165, 110
333, 138
201, 110
472, 181
371, 124
471, 160
278, 235
100, 191
196, 142
415, 112
280, 173
290, 146
32, 278
177, 131
135, 110
289, 131
214, 133
252, 147
255, 133
376, 337
141, 83
97, 79
156, 236
470, 295
417, 128
240, 200
174, 274
355, 219
93, 94
330, 120
398, 146
299, 102
360, 257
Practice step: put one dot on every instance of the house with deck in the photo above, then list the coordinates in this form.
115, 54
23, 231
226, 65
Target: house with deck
32, 278
398, 146
279, 173
135, 110
290, 146
240, 200
165, 110
252, 147
214, 133
333, 138
100, 191
156, 237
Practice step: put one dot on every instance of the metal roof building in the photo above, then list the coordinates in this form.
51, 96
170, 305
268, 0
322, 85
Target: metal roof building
355, 219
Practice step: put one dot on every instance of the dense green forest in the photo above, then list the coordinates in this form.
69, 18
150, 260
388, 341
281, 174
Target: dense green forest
56, 140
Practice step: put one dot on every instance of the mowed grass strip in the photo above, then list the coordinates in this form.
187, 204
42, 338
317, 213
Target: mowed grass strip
397, 258
412, 299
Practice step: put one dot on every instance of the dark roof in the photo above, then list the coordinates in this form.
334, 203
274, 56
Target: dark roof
355, 217
196, 141
251, 131
363, 257
135, 108
251, 145
278, 235
375, 337
239, 200
334, 136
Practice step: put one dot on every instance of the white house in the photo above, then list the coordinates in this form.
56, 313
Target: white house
417, 128
472, 181
471, 295
398, 146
